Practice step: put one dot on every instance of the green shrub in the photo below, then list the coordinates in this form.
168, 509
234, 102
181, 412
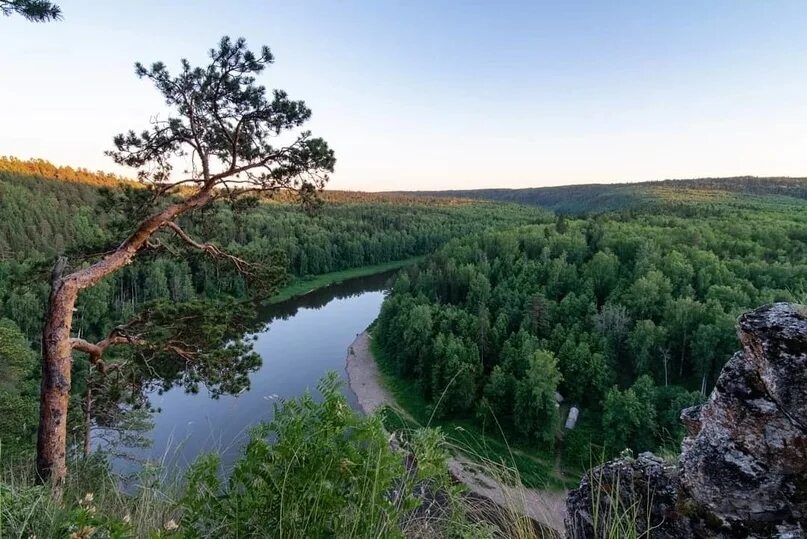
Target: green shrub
316, 470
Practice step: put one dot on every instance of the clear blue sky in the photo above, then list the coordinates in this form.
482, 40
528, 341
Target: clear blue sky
445, 94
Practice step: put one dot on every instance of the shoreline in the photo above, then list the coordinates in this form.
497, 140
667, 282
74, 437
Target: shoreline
366, 382
303, 286
364, 378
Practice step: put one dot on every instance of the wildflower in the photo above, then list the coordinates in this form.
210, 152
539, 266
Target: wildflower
85, 532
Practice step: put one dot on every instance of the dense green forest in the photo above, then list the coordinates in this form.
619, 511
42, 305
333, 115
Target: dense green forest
629, 315
40, 218
47, 210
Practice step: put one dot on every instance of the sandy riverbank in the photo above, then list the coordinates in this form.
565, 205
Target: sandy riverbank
548, 507
364, 377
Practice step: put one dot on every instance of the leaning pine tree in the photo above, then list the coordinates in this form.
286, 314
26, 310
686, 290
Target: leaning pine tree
234, 139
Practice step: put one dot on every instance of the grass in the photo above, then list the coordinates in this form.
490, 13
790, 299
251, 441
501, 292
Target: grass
303, 285
93, 505
91, 500
612, 516
331, 472
534, 467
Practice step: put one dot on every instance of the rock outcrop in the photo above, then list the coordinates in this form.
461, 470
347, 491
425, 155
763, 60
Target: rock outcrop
743, 466
610, 495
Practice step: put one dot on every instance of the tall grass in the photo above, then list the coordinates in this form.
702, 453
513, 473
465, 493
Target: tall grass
619, 507
617, 519
317, 470
91, 500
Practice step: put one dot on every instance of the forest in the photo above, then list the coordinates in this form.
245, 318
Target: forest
40, 217
629, 315
514, 315
45, 210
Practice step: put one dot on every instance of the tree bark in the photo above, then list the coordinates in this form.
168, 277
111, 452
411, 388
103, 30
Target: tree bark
51, 446
57, 346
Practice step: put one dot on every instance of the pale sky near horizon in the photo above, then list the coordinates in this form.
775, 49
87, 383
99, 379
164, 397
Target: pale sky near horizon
444, 94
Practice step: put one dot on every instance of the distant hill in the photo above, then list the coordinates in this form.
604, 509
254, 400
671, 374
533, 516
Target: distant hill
80, 185
597, 198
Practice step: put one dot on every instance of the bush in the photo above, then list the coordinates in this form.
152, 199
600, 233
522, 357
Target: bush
316, 470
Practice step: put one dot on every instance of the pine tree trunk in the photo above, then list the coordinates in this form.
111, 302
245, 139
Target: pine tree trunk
54, 395
57, 352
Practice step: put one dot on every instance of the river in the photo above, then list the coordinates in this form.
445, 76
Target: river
303, 338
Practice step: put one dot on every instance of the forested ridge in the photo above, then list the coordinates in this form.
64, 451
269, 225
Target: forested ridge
598, 198
46, 209
629, 315
41, 216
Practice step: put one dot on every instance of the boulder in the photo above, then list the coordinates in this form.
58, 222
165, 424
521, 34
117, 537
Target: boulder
742, 471
610, 495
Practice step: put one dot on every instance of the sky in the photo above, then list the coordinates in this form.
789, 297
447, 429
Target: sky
444, 94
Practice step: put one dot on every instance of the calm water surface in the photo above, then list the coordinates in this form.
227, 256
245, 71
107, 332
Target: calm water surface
303, 339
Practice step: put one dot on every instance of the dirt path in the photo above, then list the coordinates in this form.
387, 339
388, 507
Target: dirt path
548, 507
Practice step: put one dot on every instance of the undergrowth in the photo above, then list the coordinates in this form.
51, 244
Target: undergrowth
318, 469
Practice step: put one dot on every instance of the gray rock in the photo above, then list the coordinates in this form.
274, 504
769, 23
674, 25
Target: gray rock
608, 493
743, 466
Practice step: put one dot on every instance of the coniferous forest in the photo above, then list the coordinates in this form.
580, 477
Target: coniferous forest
629, 315
515, 315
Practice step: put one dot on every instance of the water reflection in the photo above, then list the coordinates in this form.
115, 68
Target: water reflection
319, 298
303, 338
